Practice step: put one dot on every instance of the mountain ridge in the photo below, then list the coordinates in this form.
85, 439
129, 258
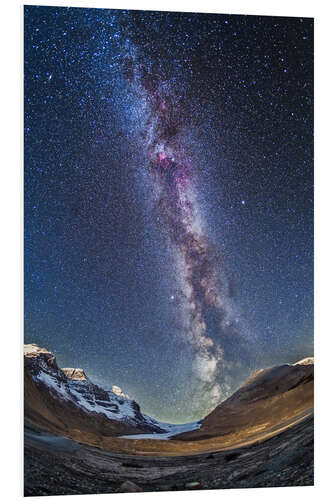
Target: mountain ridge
268, 398
66, 402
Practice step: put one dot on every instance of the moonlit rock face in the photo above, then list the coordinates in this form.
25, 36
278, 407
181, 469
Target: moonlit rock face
75, 374
305, 361
117, 390
34, 354
34, 349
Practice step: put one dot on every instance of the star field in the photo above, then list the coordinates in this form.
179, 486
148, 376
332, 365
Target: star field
101, 285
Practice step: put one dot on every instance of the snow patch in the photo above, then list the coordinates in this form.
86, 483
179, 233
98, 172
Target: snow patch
171, 430
123, 412
51, 382
113, 409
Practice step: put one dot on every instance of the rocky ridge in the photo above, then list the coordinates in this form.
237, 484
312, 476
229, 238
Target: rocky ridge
67, 402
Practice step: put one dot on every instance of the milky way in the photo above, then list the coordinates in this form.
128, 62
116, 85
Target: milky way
204, 306
168, 198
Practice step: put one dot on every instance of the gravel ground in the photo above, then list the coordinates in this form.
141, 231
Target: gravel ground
58, 466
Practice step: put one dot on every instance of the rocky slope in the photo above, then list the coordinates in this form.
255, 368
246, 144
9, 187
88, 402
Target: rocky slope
64, 401
270, 398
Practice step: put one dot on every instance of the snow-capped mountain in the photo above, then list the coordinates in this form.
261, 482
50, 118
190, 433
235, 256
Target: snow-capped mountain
65, 401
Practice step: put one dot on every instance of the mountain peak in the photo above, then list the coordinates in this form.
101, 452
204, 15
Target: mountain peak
75, 374
33, 350
35, 355
118, 391
305, 361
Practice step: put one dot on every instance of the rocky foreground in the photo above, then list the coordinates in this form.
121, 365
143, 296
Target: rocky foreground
63, 467
81, 438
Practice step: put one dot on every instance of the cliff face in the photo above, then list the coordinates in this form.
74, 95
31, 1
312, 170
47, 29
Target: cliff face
64, 401
75, 374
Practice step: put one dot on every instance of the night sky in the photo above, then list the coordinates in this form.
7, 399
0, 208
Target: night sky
168, 198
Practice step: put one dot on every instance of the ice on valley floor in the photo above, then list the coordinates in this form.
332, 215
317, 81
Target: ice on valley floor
172, 430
